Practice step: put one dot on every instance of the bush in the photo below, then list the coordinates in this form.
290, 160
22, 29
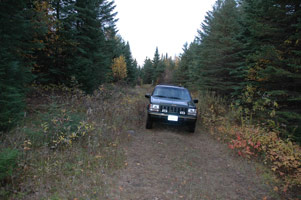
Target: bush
8, 162
234, 125
211, 107
58, 127
283, 157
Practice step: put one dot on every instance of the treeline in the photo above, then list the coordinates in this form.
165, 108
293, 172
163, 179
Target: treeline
249, 51
57, 42
157, 70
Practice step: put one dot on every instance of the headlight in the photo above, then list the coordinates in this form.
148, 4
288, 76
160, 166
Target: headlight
192, 111
154, 107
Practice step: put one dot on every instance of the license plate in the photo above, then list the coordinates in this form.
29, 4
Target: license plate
172, 118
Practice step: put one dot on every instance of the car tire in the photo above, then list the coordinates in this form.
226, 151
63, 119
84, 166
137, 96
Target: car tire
149, 123
191, 128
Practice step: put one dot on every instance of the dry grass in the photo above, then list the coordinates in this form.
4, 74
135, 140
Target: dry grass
76, 168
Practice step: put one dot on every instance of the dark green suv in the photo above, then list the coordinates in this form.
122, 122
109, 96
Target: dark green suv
171, 105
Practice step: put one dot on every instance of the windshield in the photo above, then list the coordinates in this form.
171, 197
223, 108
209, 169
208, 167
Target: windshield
172, 93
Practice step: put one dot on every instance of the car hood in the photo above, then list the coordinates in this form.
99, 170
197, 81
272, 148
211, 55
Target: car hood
167, 101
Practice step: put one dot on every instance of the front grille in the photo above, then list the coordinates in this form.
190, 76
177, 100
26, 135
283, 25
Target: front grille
173, 109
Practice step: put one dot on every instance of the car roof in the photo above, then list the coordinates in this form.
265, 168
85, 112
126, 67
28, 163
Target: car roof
171, 86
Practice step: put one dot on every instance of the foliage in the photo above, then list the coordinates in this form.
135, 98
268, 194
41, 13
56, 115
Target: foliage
56, 42
15, 59
226, 122
63, 127
249, 52
119, 68
159, 70
54, 150
147, 72
131, 64
187, 73
283, 157
221, 50
211, 106
8, 162
95, 28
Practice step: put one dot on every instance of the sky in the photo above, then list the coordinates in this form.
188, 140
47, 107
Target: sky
166, 24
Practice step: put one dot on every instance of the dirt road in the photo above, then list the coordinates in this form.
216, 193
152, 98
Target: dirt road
170, 163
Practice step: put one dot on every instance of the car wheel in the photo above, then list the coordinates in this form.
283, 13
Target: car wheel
191, 128
149, 122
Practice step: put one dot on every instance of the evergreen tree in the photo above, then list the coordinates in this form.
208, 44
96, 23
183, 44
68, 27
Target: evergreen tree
148, 71
131, 65
158, 68
80, 43
17, 28
54, 62
88, 57
186, 73
273, 31
221, 50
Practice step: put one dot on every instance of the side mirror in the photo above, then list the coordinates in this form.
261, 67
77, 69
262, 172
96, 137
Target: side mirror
148, 96
195, 101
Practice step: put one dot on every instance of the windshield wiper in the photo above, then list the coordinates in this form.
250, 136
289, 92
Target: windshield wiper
160, 96
174, 97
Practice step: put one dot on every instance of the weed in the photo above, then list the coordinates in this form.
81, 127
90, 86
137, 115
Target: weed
234, 125
71, 141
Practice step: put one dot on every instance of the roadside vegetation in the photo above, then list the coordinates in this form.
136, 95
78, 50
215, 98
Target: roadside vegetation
256, 141
69, 142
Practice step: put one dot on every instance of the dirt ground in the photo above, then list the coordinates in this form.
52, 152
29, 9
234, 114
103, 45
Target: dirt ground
170, 163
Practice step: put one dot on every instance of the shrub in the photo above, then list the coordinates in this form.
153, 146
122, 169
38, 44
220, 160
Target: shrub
58, 127
8, 162
211, 107
234, 125
283, 157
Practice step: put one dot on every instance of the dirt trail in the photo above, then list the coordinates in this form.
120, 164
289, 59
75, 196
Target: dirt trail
169, 163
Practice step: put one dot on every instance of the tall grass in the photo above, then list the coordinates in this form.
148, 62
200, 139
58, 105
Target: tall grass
70, 141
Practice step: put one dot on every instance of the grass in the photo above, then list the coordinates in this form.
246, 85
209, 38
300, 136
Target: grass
70, 142
253, 141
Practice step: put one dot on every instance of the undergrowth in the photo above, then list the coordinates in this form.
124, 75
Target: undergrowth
69, 142
253, 140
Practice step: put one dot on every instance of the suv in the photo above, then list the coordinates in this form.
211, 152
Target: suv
171, 105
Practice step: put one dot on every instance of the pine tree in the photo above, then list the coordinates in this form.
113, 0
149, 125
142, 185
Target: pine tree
221, 51
274, 57
148, 71
131, 65
187, 71
80, 43
158, 67
50, 66
17, 29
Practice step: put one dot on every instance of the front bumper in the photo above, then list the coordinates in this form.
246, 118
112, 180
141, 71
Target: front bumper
163, 118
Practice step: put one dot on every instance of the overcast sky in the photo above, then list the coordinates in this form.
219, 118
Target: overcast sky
166, 24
